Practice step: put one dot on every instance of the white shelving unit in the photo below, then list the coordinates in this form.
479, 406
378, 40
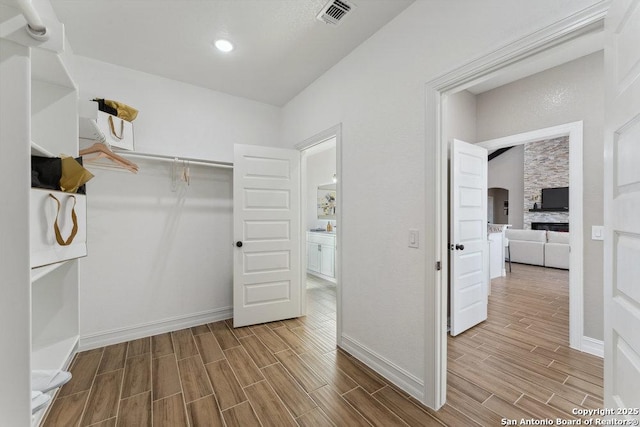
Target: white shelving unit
54, 288
39, 309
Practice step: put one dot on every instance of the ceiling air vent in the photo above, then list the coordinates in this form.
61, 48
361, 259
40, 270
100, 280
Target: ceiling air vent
334, 12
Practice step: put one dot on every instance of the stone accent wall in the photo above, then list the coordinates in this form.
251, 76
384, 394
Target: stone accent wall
546, 165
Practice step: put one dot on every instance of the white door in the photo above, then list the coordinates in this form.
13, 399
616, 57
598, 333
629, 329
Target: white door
266, 215
468, 247
622, 209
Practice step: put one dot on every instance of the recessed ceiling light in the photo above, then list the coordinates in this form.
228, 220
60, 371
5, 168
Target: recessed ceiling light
224, 45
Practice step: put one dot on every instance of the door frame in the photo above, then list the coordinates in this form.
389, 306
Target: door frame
491, 64
576, 237
334, 131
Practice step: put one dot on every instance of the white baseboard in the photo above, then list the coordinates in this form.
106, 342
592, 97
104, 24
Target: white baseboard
115, 336
390, 371
592, 346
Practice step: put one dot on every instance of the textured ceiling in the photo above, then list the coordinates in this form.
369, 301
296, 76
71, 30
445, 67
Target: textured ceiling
280, 46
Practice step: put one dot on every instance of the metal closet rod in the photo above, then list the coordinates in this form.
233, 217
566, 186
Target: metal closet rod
212, 163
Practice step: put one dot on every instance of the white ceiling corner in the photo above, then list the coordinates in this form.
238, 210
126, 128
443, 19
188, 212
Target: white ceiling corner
280, 46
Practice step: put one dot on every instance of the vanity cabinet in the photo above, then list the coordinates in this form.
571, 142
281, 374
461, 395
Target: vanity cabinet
321, 254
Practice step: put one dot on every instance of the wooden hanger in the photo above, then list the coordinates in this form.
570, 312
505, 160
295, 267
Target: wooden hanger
101, 151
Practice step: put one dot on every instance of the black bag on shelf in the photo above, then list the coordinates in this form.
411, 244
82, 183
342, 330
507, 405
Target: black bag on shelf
102, 106
47, 171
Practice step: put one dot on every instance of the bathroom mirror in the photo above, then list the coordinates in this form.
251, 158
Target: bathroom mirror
327, 201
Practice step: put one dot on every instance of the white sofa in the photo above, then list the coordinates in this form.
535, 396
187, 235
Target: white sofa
539, 247
556, 250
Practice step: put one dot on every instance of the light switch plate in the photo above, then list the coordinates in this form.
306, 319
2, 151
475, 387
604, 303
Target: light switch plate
597, 232
414, 238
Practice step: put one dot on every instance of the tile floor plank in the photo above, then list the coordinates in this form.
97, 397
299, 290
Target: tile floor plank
113, 358
269, 339
66, 410
225, 384
291, 393
241, 332
333, 376
314, 418
137, 375
139, 347
366, 378
135, 411
205, 412
104, 398
200, 329
165, 379
183, 344
267, 406
378, 415
243, 366
337, 409
208, 347
193, 377
241, 415
258, 351
223, 334
299, 370
170, 412
472, 408
162, 345
506, 409
83, 372
408, 411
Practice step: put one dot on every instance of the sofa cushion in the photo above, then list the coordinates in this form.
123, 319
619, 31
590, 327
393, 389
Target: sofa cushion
556, 255
527, 235
526, 252
557, 237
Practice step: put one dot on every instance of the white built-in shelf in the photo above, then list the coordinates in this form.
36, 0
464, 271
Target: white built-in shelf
47, 66
38, 150
54, 355
39, 272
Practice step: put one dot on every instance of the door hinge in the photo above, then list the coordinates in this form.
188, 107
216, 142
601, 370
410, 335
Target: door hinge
438, 265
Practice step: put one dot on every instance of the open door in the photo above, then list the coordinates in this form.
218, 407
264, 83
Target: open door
266, 216
621, 208
468, 236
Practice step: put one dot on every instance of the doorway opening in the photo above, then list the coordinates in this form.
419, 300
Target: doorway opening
321, 202
502, 63
498, 205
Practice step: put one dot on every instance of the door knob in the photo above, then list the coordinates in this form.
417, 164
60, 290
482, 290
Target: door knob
239, 244
460, 247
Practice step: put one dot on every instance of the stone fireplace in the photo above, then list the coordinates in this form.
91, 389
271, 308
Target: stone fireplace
546, 165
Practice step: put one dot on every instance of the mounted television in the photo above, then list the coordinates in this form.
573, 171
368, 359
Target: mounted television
555, 198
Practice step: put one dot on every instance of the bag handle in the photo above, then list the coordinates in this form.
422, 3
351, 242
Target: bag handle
74, 218
113, 130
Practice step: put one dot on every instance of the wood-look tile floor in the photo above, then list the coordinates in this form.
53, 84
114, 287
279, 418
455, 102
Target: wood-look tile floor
515, 365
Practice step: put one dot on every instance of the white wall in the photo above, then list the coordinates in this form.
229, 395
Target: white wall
177, 118
157, 259
378, 94
320, 169
460, 117
155, 256
568, 93
507, 171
